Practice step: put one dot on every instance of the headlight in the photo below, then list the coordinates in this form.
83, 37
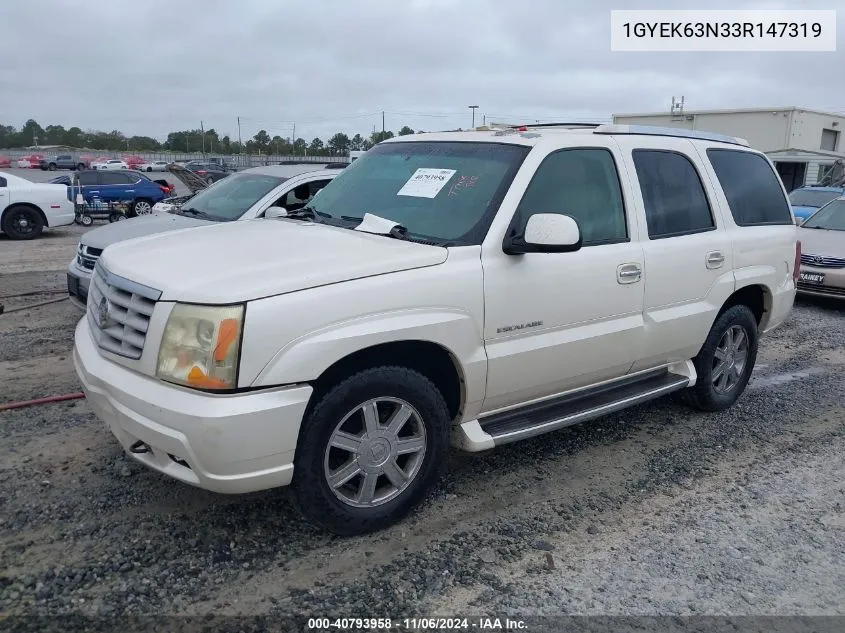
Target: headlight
201, 346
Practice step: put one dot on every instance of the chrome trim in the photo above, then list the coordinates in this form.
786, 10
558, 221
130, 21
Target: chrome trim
589, 414
127, 284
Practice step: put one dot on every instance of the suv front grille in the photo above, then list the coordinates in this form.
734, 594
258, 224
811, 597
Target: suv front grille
119, 312
87, 256
822, 262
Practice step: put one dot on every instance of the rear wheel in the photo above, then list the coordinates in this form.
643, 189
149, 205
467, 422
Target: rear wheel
22, 223
209, 180
370, 449
52, 166
141, 207
80, 166
86, 220
726, 360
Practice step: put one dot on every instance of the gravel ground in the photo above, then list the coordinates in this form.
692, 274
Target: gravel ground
656, 510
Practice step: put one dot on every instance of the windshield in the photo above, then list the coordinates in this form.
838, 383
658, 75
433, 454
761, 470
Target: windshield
231, 197
831, 217
809, 198
439, 191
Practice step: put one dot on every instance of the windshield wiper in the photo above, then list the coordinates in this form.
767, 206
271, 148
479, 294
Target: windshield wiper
196, 212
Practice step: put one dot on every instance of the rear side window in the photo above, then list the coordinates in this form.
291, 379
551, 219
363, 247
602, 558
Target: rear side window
753, 190
674, 198
114, 178
88, 178
2, 181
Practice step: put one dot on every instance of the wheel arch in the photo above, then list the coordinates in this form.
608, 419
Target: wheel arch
29, 205
432, 360
757, 297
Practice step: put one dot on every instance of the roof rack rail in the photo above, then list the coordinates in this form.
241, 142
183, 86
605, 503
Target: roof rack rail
573, 124
613, 128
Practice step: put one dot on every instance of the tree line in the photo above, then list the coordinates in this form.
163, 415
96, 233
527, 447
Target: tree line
188, 141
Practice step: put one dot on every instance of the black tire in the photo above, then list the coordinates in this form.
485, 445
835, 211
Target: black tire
22, 223
86, 220
149, 169
209, 180
704, 395
313, 493
80, 167
52, 166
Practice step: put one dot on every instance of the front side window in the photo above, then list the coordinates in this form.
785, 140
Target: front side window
674, 198
830, 217
2, 181
87, 178
582, 183
231, 197
446, 192
751, 187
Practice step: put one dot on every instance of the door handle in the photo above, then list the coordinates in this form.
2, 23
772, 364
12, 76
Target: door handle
628, 273
715, 259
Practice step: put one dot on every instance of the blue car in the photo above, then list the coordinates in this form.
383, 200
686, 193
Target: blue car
126, 186
806, 201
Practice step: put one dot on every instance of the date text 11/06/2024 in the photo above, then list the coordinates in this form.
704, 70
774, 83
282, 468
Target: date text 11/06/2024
416, 624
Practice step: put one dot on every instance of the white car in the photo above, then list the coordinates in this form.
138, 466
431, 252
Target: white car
113, 163
156, 165
476, 288
246, 195
24, 163
27, 208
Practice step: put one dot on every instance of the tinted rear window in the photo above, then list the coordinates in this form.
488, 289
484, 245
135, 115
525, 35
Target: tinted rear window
753, 190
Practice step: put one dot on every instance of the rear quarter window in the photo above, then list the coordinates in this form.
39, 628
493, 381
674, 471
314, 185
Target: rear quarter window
752, 188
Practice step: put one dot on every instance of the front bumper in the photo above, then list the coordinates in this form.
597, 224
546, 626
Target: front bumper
78, 280
833, 285
225, 443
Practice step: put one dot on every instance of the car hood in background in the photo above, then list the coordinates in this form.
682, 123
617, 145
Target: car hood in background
141, 226
251, 259
804, 212
822, 242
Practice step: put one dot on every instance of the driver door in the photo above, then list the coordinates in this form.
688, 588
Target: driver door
560, 321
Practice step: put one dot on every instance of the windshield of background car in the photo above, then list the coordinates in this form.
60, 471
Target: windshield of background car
231, 197
831, 217
439, 191
805, 198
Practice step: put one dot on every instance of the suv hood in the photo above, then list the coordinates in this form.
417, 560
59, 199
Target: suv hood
139, 227
822, 242
259, 258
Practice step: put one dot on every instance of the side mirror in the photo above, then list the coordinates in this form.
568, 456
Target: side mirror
275, 212
545, 233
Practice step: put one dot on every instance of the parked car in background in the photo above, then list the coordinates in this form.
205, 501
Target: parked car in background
111, 164
155, 165
62, 161
223, 163
33, 161
822, 238
210, 172
133, 161
168, 187
27, 208
247, 195
806, 201
130, 187
5, 162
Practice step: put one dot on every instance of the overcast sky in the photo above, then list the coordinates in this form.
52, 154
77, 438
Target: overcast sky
153, 66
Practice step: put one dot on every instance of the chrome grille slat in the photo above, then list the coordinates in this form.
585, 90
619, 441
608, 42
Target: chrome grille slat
821, 261
130, 306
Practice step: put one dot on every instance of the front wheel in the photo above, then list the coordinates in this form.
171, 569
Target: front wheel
726, 360
22, 223
51, 167
370, 450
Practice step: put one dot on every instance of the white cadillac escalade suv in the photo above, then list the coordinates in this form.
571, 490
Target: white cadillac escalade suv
471, 288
